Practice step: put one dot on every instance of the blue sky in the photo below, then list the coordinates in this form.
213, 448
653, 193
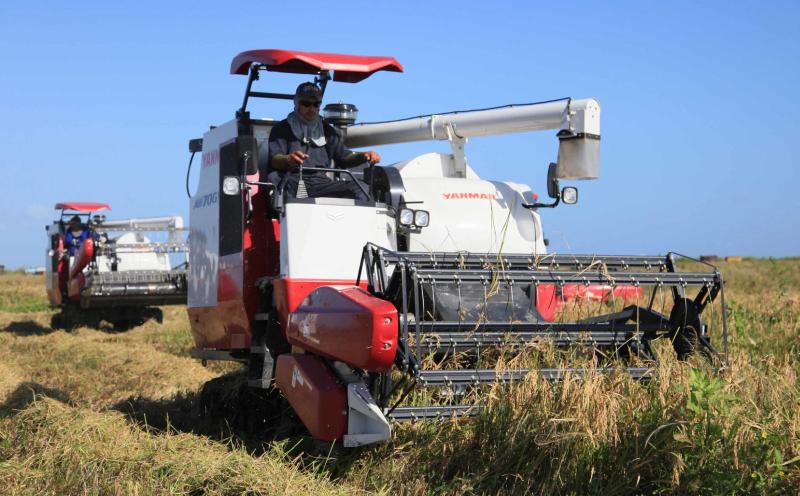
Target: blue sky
699, 125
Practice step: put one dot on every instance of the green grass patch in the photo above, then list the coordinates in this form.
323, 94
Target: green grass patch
20, 293
176, 341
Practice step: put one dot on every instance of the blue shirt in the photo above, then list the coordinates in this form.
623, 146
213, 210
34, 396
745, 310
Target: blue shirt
75, 242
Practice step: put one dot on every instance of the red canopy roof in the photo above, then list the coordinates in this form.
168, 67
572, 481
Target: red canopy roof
346, 68
83, 206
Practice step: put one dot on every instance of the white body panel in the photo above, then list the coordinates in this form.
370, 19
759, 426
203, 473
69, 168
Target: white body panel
469, 214
144, 223
365, 421
172, 224
51, 276
133, 257
204, 219
325, 240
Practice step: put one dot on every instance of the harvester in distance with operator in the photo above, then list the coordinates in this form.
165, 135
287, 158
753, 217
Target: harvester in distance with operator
364, 313
111, 270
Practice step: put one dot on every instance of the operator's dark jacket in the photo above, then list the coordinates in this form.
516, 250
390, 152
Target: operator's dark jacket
283, 142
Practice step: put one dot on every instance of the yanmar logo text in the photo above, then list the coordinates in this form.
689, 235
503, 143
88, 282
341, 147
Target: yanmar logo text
469, 196
210, 158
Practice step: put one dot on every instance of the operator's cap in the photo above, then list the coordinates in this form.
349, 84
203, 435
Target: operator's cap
74, 220
308, 91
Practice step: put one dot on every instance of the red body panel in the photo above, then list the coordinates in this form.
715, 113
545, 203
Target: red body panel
289, 293
77, 281
260, 244
225, 326
602, 292
228, 325
82, 257
547, 302
347, 68
83, 206
75, 286
348, 324
314, 393
60, 274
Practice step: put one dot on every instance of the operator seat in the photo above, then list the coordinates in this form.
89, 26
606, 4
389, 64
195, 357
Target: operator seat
263, 159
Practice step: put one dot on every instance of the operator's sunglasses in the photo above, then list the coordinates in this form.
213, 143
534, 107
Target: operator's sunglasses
306, 103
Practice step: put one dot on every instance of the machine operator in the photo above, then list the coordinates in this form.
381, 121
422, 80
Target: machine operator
77, 233
304, 139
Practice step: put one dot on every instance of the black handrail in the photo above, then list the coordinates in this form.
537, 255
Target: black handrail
284, 180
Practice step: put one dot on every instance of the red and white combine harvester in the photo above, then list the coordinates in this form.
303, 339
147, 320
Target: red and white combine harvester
361, 313
111, 270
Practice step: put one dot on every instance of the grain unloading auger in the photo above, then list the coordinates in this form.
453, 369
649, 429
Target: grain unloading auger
409, 306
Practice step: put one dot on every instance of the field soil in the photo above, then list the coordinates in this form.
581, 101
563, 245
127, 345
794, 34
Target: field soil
98, 411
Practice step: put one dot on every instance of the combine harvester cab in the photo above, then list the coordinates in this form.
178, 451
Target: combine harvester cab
99, 269
401, 308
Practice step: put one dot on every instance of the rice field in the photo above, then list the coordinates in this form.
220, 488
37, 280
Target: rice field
92, 411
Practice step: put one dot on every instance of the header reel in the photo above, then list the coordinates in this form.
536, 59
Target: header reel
460, 312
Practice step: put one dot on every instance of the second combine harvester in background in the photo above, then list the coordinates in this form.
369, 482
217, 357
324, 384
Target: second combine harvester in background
111, 270
399, 308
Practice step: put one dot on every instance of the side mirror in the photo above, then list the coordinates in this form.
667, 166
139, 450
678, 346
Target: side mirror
196, 145
569, 195
552, 181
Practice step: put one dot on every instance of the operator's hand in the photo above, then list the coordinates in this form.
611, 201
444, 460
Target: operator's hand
372, 157
297, 157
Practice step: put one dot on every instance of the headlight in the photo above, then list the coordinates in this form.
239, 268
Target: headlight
569, 195
230, 185
421, 218
413, 218
406, 217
